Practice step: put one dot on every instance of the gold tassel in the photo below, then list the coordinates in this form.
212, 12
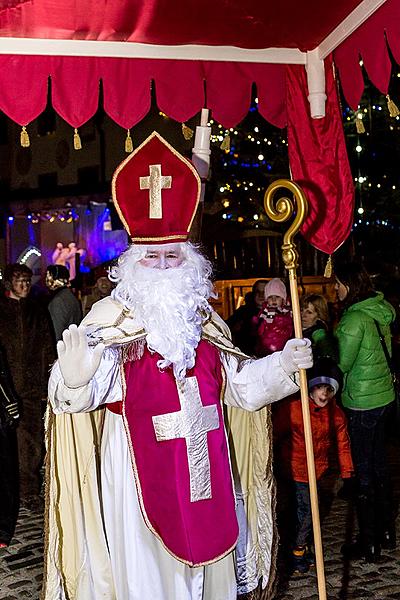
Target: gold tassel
226, 143
360, 125
77, 140
328, 268
187, 132
393, 110
24, 138
128, 142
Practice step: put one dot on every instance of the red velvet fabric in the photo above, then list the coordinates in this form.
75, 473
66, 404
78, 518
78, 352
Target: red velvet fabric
182, 88
319, 162
199, 531
75, 88
23, 86
243, 23
178, 201
369, 42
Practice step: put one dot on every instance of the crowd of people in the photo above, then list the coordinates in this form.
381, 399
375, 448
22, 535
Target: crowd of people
161, 416
351, 398
30, 326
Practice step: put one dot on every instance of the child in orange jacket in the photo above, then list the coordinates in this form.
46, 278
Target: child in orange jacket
329, 428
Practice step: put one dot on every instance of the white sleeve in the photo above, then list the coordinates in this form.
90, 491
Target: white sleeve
253, 383
104, 387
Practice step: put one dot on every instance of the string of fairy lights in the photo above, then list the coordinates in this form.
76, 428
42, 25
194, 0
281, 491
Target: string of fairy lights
63, 215
244, 169
54, 215
372, 137
368, 182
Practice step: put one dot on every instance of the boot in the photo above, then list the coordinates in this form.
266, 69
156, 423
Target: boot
388, 538
366, 545
359, 550
386, 528
310, 556
300, 564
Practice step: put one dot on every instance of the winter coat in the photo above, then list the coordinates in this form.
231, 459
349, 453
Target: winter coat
367, 379
27, 338
65, 309
323, 344
9, 413
329, 430
240, 325
274, 327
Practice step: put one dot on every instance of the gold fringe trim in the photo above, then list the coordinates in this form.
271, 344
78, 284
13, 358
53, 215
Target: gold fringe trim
328, 268
49, 427
77, 140
393, 110
128, 142
359, 124
226, 143
187, 132
24, 138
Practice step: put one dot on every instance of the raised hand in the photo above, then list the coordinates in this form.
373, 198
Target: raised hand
78, 363
296, 354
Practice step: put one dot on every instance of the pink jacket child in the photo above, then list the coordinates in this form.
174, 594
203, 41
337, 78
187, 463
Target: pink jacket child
274, 323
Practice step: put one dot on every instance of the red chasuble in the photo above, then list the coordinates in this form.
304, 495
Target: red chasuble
180, 456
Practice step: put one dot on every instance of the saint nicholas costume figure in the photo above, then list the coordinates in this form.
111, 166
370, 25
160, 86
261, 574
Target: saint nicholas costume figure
159, 483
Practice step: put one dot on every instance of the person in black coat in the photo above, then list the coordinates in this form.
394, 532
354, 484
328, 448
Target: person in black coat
240, 322
27, 340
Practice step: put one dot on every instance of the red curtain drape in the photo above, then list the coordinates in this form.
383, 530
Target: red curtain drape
319, 162
370, 43
182, 88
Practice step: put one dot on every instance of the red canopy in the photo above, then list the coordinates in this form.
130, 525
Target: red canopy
207, 54
281, 32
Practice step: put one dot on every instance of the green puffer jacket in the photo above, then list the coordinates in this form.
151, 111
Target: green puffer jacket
367, 378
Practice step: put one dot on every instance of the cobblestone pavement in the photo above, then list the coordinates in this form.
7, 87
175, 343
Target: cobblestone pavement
21, 564
347, 580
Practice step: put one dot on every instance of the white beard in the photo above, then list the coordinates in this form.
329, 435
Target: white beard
171, 304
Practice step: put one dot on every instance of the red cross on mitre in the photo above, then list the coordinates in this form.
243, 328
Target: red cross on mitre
156, 192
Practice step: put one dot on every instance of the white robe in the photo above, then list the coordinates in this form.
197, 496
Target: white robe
141, 569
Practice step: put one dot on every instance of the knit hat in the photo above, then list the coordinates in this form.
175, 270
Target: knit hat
275, 287
326, 371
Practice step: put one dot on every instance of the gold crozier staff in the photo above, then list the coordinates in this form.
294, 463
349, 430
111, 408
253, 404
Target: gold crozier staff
280, 212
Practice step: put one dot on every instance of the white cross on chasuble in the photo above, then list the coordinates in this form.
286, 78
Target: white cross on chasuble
192, 423
155, 183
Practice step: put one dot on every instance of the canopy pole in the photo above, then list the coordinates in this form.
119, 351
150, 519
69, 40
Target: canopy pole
201, 149
201, 159
281, 212
315, 69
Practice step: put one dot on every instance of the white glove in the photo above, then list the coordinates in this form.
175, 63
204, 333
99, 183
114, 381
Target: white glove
297, 354
78, 363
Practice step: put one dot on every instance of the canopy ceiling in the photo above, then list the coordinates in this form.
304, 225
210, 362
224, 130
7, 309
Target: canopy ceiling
242, 23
